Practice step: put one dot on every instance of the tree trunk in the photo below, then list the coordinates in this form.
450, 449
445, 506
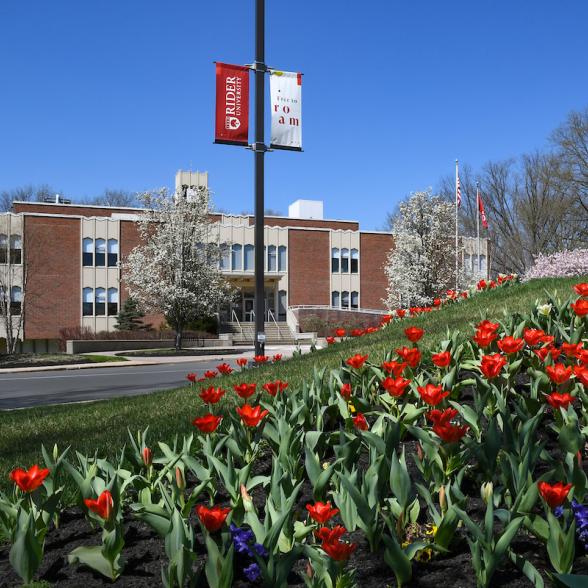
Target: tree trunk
178, 339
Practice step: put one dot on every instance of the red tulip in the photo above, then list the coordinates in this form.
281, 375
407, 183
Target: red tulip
345, 391
442, 359
464, 294
543, 352
432, 394
321, 512
272, 388
411, 355
533, 336
212, 518
210, 374
395, 387
437, 302
555, 494
394, 367
338, 550
385, 319
360, 423
147, 456
559, 373
581, 289
414, 334
330, 535
559, 400
191, 378
330, 340
340, 332
356, 361
245, 390
29, 480
581, 374
224, 368
481, 285
207, 423
357, 332
487, 325
483, 337
450, 433
492, 365
242, 361
580, 307
212, 395
510, 345
277, 357
571, 349
371, 330
251, 415
103, 506
442, 417
261, 359
400, 313
582, 356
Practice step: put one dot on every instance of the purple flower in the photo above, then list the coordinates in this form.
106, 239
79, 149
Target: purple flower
581, 515
252, 572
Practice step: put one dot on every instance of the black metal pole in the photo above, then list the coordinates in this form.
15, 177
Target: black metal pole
259, 149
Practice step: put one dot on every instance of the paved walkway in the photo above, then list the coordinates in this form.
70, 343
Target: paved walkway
42, 386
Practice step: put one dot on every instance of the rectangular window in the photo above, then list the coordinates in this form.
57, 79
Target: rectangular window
344, 299
237, 257
100, 252
225, 257
335, 260
354, 261
3, 249
345, 261
88, 252
112, 252
271, 258
282, 258
335, 302
100, 301
354, 299
112, 301
88, 302
249, 257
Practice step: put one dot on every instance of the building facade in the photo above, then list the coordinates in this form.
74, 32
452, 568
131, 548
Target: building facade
72, 253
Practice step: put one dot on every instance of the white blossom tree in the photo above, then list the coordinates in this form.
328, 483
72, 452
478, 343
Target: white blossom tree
421, 264
175, 270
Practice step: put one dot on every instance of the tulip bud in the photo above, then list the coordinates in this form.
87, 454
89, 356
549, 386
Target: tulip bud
419, 451
579, 458
180, 480
487, 491
442, 499
247, 500
147, 456
309, 569
55, 452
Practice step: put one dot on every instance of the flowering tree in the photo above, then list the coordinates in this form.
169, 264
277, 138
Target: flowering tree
175, 269
559, 265
422, 263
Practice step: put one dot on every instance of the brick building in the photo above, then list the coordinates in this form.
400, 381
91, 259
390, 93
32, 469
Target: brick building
72, 269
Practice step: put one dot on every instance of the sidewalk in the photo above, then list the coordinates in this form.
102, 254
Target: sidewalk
285, 350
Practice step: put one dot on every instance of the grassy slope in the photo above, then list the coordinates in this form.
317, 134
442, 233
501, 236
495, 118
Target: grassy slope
103, 425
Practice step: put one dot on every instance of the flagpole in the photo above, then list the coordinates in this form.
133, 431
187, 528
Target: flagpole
478, 224
456, 228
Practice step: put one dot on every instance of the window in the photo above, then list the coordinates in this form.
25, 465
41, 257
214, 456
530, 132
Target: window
249, 254
335, 299
100, 252
467, 263
87, 252
237, 257
345, 261
335, 260
354, 299
112, 252
271, 258
482, 264
112, 301
282, 305
225, 257
100, 302
282, 258
87, 302
344, 299
15, 300
3, 249
354, 261
15, 249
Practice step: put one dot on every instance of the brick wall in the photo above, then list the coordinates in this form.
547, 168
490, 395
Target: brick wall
374, 250
68, 209
53, 292
129, 239
309, 267
277, 221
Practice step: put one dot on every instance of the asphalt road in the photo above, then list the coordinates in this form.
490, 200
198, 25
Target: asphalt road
25, 389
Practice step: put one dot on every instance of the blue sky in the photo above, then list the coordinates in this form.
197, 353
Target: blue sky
120, 94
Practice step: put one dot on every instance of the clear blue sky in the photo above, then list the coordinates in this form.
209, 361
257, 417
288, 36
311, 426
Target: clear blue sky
120, 94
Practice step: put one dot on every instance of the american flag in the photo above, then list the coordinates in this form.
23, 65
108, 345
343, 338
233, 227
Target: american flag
457, 191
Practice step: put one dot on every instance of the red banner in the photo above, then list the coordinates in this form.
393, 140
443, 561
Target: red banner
482, 211
232, 104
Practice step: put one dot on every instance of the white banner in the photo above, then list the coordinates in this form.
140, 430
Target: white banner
286, 98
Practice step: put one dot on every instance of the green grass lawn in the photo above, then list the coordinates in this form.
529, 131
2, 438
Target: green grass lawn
20, 360
103, 424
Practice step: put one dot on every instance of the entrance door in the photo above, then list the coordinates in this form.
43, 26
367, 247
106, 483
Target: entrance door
249, 313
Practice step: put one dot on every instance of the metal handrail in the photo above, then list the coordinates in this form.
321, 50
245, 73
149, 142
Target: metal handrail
234, 316
271, 315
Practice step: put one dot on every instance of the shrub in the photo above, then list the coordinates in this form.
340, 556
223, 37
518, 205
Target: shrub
559, 265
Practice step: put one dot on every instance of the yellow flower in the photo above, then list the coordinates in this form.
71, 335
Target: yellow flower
351, 407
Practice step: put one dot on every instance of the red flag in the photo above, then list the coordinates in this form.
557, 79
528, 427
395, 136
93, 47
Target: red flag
482, 211
232, 104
